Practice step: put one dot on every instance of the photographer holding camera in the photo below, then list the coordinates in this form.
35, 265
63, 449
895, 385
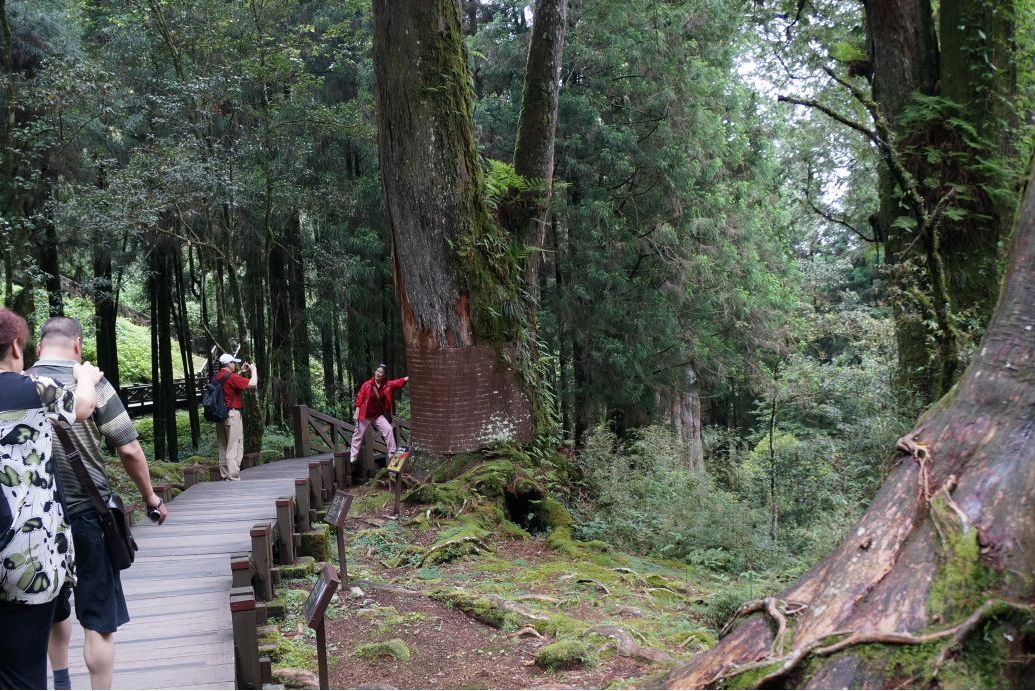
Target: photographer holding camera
100, 605
230, 434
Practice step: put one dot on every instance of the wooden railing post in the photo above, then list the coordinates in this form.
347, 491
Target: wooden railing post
246, 641
366, 452
327, 478
191, 476
303, 522
315, 486
285, 530
262, 558
342, 471
241, 570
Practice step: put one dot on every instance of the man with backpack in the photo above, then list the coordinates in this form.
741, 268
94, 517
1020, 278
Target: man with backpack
229, 426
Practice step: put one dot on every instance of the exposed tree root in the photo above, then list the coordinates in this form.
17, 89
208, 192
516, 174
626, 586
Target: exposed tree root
628, 647
820, 647
776, 608
527, 631
478, 543
592, 581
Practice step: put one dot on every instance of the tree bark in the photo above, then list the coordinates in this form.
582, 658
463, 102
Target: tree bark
301, 380
186, 355
50, 264
105, 313
904, 60
686, 418
949, 530
439, 231
164, 392
954, 266
281, 370
537, 131
425, 134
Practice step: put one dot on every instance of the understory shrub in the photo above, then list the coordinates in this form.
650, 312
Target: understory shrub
641, 496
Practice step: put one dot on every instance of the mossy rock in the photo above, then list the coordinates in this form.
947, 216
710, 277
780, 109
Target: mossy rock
567, 653
305, 566
393, 648
457, 542
483, 609
269, 456
316, 544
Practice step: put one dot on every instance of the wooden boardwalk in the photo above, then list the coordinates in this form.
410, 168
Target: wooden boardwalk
181, 635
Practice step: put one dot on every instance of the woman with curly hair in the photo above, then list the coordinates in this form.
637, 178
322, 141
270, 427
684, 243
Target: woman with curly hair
36, 554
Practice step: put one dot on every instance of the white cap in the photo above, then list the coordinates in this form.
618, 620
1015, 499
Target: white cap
227, 358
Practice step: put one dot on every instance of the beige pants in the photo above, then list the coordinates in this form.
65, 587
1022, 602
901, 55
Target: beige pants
230, 436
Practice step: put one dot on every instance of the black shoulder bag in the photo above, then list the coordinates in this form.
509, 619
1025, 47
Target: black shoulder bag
112, 514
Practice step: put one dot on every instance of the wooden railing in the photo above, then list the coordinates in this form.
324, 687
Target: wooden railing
319, 433
139, 399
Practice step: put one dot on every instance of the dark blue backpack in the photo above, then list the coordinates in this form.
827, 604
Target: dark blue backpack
214, 401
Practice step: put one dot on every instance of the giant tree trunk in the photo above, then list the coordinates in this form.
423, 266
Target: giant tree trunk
950, 531
281, 370
433, 183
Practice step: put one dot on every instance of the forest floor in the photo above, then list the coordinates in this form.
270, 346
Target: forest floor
444, 602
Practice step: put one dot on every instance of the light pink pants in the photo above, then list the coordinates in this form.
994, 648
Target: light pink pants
383, 426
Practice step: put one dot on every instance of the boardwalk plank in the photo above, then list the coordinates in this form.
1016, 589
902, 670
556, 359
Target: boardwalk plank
181, 634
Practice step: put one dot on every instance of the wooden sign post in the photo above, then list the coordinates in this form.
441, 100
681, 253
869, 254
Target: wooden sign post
337, 512
315, 607
397, 466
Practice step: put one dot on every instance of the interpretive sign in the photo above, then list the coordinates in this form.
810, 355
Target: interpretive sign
338, 510
397, 463
315, 607
321, 596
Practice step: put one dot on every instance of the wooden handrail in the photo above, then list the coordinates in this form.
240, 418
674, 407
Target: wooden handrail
317, 433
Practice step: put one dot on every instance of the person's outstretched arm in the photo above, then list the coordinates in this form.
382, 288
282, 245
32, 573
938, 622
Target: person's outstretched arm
135, 463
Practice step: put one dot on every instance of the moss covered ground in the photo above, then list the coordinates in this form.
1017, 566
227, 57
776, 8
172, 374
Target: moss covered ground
489, 546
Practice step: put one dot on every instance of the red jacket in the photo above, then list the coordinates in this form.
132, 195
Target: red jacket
370, 405
232, 388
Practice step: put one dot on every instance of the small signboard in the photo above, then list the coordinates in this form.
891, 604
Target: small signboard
320, 597
397, 463
338, 510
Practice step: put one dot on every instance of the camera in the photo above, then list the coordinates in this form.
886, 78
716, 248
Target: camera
154, 514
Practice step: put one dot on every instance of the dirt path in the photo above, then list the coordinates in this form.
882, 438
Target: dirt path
536, 597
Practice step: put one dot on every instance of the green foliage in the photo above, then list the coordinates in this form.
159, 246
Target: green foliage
640, 496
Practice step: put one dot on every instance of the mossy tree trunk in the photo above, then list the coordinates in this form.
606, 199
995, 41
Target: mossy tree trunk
952, 145
456, 291
433, 181
950, 530
537, 132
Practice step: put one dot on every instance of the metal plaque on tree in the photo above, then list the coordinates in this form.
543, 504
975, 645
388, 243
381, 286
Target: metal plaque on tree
338, 510
320, 597
397, 462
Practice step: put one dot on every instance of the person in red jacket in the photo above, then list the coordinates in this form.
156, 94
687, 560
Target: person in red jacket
373, 404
